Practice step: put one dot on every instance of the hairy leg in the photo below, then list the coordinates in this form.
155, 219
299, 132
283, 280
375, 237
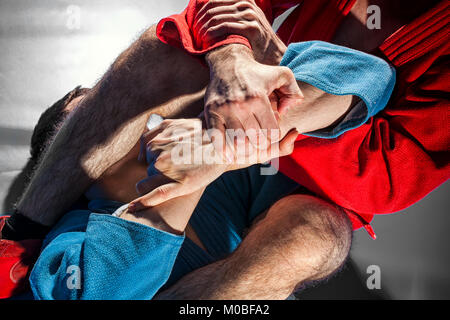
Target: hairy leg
301, 239
109, 121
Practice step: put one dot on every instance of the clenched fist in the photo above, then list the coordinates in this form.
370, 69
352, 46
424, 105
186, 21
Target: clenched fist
247, 98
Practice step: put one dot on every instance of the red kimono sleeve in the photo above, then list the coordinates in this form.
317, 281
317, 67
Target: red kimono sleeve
395, 159
178, 31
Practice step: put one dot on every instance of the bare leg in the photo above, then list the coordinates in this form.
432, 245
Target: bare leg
109, 121
301, 239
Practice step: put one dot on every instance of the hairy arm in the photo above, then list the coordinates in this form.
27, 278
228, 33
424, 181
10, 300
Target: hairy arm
187, 174
107, 123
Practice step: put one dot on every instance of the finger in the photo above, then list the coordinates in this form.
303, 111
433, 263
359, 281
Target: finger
287, 101
226, 28
235, 138
221, 20
280, 149
150, 183
152, 133
159, 195
155, 125
267, 120
286, 87
145, 154
212, 8
142, 150
224, 14
217, 134
287, 144
274, 101
252, 127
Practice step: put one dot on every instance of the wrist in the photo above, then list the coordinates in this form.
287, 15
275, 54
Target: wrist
318, 110
273, 54
228, 52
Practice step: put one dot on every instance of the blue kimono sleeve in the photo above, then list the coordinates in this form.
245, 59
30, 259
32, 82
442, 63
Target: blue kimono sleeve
343, 71
97, 256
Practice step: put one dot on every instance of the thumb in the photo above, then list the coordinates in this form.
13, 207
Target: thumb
279, 149
159, 195
287, 89
287, 144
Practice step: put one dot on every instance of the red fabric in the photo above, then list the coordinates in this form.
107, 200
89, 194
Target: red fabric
397, 157
16, 261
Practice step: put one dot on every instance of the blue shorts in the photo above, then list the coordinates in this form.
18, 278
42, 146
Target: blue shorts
226, 210
82, 238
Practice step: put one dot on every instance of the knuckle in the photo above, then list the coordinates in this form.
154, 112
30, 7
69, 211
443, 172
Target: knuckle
249, 14
224, 25
256, 94
212, 31
216, 118
212, 106
243, 5
153, 148
287, 72
255, 26
213, 20
161, 164
165, 123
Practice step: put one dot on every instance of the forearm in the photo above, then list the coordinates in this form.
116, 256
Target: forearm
343, 88
171, 216
107, 123
317, 111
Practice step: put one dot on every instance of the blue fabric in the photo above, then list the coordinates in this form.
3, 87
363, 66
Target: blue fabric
226, 211
116, 258
342, 71
119, 259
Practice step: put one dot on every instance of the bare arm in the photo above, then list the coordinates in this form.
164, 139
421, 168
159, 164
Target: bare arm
108, 122
318, 110
171, 216
111, 117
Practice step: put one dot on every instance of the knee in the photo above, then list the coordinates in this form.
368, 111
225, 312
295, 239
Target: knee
316, 233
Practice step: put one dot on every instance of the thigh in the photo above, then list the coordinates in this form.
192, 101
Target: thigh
230, 205
225, 212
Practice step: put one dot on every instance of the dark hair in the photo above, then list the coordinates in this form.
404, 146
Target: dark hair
49, 122
43, 133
